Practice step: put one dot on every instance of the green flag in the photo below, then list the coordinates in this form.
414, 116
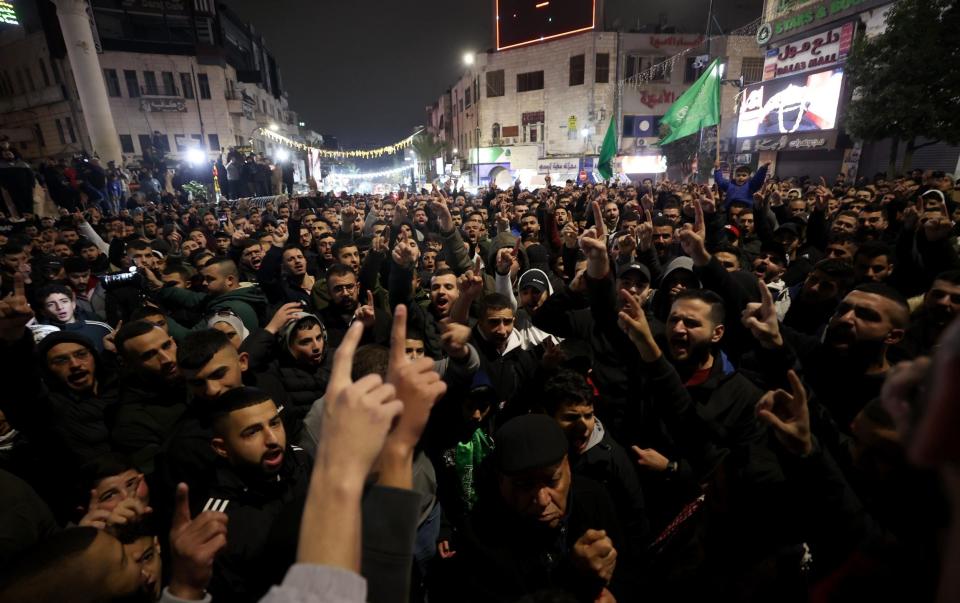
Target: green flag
697, 108
608, 151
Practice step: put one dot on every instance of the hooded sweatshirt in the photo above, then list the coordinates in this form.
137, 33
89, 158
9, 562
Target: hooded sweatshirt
529, 335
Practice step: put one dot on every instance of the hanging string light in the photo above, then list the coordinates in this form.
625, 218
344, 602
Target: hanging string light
356, 154
662, 70
366, 175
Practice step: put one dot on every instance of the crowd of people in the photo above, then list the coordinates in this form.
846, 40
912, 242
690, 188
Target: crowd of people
742, 390
85, 181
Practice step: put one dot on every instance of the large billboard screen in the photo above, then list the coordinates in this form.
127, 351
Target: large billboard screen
806, 102
522, 22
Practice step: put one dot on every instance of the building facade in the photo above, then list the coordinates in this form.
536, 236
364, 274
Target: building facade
544, 109
179, 76
805, 44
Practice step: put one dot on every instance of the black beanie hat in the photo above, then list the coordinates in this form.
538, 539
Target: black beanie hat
528, 442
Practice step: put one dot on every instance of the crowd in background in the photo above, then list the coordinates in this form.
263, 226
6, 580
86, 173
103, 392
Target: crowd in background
740, 390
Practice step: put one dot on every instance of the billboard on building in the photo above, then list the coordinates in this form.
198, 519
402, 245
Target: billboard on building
522, 22
812, 53
8, 13
805, 102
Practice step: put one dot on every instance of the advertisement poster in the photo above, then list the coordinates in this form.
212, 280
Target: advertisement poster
795, 104
812, 53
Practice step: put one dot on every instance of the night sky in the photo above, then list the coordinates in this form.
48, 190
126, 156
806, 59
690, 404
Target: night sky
364, 70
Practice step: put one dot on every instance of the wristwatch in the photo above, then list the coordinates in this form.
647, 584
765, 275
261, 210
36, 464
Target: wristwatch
672, 467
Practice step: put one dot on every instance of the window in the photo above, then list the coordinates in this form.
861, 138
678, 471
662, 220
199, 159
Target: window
150, 82
203, 83
467, 96
632, 65
126, 143
691, 73
133, 86
496, 132
577, 67
602, 72
186, 84
145, 141
214, 140
533, 133
751, 69
60, 135
29, 77
169, 88
198, 138
113, 82
70, 131
461, 105
38, 132
532, 80
495, 85
44, 73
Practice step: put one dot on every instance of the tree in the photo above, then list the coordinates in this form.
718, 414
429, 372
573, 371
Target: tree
427, 147
905, 81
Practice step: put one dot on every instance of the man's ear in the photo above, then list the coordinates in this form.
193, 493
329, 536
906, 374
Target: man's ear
244, 359
894, 337
219, 447
717, 334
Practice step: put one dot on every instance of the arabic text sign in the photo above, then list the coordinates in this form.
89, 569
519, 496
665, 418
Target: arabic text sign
163, 105
560, 165
814, 52
798, 103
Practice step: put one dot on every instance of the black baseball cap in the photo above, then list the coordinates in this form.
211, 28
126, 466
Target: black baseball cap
533, 278
634, 267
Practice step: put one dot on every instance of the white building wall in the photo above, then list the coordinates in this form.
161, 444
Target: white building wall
587, 106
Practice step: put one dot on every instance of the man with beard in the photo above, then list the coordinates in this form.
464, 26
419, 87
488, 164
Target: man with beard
259, 479
873, 224
940, 306
873, 263
285, 276
152, 393
344, 307
704, 403
223, 293
847, 368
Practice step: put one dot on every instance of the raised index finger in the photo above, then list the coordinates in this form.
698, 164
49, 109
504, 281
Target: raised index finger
598, 219
343, 357
765, 298
398, 336
698, 216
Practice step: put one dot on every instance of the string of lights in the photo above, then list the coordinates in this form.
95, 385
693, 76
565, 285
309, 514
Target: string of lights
661, 71
359, 153
369, 175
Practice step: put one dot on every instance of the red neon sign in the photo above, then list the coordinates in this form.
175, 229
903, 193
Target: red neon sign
532, 21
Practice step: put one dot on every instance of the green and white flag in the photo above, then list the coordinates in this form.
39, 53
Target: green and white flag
697, 108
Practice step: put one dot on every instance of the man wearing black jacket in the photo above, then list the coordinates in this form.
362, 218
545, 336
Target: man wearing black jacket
259, 479
537, 526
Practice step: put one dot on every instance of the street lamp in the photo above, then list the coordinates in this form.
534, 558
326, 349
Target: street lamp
274, 127
468, 58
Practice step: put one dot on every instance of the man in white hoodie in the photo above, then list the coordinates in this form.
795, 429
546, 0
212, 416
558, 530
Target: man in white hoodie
534, 287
